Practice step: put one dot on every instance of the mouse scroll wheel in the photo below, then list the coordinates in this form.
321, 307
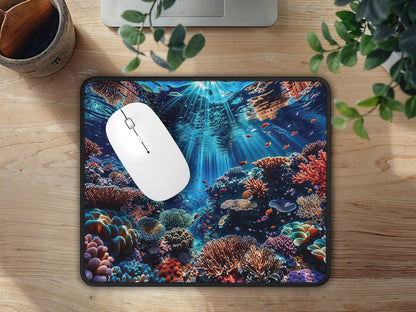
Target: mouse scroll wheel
130, 124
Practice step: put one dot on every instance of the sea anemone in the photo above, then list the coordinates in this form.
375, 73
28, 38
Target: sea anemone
150, 230
175, 218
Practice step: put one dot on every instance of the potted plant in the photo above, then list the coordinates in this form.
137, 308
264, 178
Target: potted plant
178, 51
377, 29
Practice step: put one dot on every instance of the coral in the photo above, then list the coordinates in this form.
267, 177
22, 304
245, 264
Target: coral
139, 212
309, 206
189, 274
150, 229
313, 148
179, 238
318, 249
170, 270
175, 218
134, 272
222, 221
108, 167
220, 258
262, 264
246, 195
294, 88
271, 164
304, 276
314, 171
282, 245
118, 231
300, 233
115, 174
256, 187
109, 197
97, 260
115, 92
296, 160
238, 204
91, 148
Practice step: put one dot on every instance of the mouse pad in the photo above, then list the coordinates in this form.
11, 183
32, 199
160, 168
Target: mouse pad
256, 209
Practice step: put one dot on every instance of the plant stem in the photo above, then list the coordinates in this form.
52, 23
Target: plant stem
149, 14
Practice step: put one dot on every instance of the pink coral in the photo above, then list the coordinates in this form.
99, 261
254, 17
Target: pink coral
315, 172
281, 244
97, 260
109, 197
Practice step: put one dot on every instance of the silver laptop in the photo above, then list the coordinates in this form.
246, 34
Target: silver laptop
197, 12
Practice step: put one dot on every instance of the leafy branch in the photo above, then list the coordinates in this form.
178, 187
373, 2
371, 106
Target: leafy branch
376, 29
178, 51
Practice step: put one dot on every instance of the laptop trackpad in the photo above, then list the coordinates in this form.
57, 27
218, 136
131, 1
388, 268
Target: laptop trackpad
197, 8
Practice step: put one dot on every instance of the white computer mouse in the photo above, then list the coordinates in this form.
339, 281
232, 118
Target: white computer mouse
147, 151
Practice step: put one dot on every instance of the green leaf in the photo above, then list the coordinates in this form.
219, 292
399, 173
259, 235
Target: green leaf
327, 35
159, 9
175, 59
348, 54
412, 78
411, 11
348, 19
385, 112
148, 0
177, 37
359, 128
159, 34
345, 110
194, 46
339, 122
410, 107
133, 16
132, 65
382, 33
159, 61
131, 48
389, 44
380, 89
168, 3
374, 11
315, 63
369, 103
342, 2
333, 62
314, 42
396, 69
130, 34
376, 58
367, 44
342, 31
407, 42
393, 104
354, 6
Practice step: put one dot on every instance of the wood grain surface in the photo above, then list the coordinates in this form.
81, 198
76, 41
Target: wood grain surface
374, 183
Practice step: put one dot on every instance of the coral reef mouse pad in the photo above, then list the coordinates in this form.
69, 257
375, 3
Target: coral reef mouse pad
256, 209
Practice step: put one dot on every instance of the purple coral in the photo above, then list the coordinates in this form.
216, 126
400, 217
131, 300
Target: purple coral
97, 260
282, 245
304, 276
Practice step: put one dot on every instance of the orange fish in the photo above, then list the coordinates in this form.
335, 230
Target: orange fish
188, 265
222, 190
93, 164
248, 136
192, 222
196, 215
265, 125
319, 214
273, 226
268, 211
106, 155
204, 181
286, 146
282, 221
269, 132
268, 144
211, 217
210, 227
294, 132
314, 120
243, 162
195, 249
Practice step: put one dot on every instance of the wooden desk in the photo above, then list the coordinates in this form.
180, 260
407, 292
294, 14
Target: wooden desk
374, 183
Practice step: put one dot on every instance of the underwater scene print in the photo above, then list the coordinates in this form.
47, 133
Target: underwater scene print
255, 209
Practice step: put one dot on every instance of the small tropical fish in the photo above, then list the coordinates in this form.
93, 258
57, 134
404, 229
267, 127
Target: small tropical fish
106, 155
309, 190
196, 215
253, 130
286, 146
264, 218
319, 214
237, 228
175, 93
268, 132
228, 93
211, 217
204, 181
188, 265
243, 162
273, 226
146, 88
264, 125
195, 249
314, 96
314, 120
311, 133
294, 132
210, 227
222, 190
93, 164
282, 221
268, 211
297, 113
249, 136
192, 222
268, 144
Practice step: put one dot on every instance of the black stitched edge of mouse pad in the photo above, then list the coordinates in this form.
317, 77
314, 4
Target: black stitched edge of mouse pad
256, 209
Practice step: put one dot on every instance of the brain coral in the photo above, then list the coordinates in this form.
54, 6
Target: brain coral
282, 245
150, 230
134, 272
170, 270
262, 265
175, 218
256, 187
97, 260
109, 197
220, 258
179, 238
318, 248
304, 276
238, 204
118, 231
300, 233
